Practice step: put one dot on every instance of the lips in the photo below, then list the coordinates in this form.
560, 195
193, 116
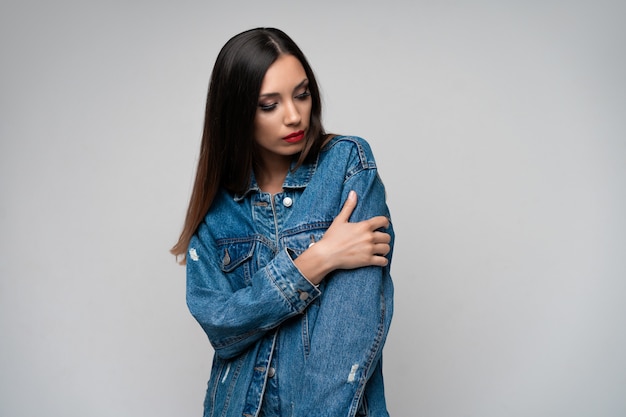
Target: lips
294, 137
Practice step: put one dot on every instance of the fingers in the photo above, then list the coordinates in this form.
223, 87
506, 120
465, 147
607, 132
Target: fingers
379, 260
374, 223
378, 222
382, 237
348, 207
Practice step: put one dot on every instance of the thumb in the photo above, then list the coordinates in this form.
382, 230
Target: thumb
348, 207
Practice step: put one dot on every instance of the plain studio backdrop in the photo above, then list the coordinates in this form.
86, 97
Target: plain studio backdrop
500, 132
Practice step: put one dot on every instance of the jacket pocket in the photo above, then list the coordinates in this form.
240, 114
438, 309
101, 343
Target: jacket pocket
236, 260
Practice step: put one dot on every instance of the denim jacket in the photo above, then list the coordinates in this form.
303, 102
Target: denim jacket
283, 346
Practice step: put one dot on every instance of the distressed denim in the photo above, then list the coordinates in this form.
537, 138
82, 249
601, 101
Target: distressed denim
284, 347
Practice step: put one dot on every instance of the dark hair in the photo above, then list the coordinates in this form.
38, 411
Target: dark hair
227, 155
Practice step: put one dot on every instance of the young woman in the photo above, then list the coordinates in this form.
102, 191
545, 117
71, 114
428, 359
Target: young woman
287, 273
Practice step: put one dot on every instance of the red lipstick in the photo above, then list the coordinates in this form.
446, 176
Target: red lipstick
294, 137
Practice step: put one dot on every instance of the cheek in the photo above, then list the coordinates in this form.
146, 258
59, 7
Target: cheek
261, 126
306, 112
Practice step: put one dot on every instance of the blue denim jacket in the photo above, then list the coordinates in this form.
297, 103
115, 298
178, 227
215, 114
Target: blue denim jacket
284, 347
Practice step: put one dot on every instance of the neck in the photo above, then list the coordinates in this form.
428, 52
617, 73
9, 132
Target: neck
271, 175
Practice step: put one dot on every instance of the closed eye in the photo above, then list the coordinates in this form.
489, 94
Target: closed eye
267, 107
304, 96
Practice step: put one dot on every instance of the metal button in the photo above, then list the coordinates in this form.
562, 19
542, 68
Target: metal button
287, 201
304, 295
271, 372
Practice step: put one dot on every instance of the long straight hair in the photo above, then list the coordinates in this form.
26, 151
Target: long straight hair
227, 156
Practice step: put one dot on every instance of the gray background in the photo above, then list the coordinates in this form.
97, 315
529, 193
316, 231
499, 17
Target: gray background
499, 128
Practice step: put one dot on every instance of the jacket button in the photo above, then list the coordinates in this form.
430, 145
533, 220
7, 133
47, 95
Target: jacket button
271, 372
304, 296
287, 201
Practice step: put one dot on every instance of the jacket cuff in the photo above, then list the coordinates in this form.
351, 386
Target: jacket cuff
298, 291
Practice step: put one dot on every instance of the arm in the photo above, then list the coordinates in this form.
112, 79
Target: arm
235, 318
352, 323
346, 245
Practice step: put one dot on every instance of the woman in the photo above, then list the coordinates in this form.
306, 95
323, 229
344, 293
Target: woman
296, 299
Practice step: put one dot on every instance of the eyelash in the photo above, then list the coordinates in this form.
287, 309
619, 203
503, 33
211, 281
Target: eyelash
267, 107
304, 95
270, 107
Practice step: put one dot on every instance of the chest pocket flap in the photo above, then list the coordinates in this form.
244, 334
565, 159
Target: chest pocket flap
233, 254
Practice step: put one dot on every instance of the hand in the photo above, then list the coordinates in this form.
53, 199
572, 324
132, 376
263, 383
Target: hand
353, 245
346, 245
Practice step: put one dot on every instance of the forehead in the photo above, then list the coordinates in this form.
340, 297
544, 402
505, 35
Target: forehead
284, 74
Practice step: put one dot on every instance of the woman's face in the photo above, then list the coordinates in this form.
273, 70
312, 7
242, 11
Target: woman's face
284, 110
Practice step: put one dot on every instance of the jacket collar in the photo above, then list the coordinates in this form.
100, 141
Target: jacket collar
299, 178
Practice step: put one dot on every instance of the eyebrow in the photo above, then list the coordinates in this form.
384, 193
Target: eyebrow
300, 85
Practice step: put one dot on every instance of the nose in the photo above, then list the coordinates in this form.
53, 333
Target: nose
292, 114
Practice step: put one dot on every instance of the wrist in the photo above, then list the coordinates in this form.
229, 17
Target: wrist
314, 263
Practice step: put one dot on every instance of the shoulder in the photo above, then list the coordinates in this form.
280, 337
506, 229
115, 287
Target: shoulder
356, 141
352, 147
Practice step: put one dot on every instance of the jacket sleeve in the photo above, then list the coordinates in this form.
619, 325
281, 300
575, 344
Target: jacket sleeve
353, 320
233, 319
